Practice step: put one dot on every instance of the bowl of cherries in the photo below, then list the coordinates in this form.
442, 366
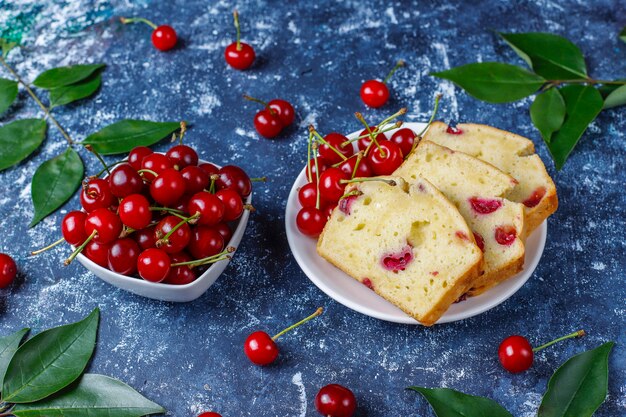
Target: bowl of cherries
164, 226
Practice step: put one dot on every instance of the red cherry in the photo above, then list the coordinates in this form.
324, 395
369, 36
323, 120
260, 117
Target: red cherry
331, 188
196, 179
176, 241
96, 194
209, 206
122, 256
385, 158
182, 156
8, 270
453, 130
515, 354
205, 241
145, 238
168, 187
181, 274
164, 38
328, 211
307, 195
241, 58
334, 400
284, 109
260, 348
484, 205
97, 253
73, 227
235, 178
268, 124
210, 169
137, 154
210, 414
155, 162
311, 221
224, 230
374, 93
364, 142
134, 211
153, 265
233, 205
124, 180
505, 235
335, 140
322, 164
405, 139
363, 170
107, 225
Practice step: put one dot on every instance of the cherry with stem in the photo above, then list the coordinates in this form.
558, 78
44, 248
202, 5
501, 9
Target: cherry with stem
163, 37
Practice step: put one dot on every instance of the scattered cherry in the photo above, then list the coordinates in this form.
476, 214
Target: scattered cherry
239, 55
210, 414
375, 93
153, 265
8, 270
285, 110
267, 123
163, 37
335, 400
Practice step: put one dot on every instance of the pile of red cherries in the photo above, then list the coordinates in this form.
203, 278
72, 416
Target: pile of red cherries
159, 216
337, 160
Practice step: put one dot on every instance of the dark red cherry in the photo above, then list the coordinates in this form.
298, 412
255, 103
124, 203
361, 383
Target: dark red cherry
334, 400
73, 227
311, 221
364, 142
210, 207
137, 154
153, 265
205, 241
96, 194
362, 170
97, 253
134, 211
105, 223
182, 156
331, 187
374, 93
124, 180
405, 139
181, 274
260, 348
335, 147
385, 158
168, 187
268, 124
122, 256
322, 165
155, 162
284, 109
239, 58
235, 178
233, 205
164, 38
196, 179
224, 230
8, 270
307, 195
177, 240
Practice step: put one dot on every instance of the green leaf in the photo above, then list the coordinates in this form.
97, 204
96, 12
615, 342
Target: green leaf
50, 361
93, 396
7, 46
551, 56
8, 93
450, 403
582, 103
54, 182
73, 92
123, 136
617, 97
58, 77
494, 82
622, 34
19, 139
8, 347
548, 112
579, 386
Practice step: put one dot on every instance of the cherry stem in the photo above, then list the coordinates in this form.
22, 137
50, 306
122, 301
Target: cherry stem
149, 171
373, 134
293, 326
164, 239
50, 246
97, 154
106, 168
317, 176
359, 156
209, 259
173, 212
256, 100
321, 139
183, 129
399, 64
385, 121
80, 248
126, 20
259, 179
396, 125
214, 178
579, 333
432, 117
350, 194
126, 231
308, 157
236, 20
368, 179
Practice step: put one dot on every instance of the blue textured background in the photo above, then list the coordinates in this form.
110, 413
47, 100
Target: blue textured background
188, 357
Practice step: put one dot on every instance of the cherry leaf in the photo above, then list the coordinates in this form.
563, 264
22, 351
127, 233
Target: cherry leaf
73, 92
7, 46
622, 34
19, 139
548, 113
123, 136
617, 97
61, 76
551, 56
8, 346
450, 403
494, 82
8, 93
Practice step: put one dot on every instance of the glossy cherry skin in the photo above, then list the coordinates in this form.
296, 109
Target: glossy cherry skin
73, 227
122, 256
307, 195
241, 58
98, 253
107, 225
181, 274
8, 270
235, 178
164, 38
374, 93
209, 206
178, 240
334, 400
205, 241
322, 165
210, 414
336, 141
134, 211
224, 230
260, 348
153, 265
96, 194
137, 154
196, 179
145, 238
182, 156
363, 170
364, 143
331, 188
515, 354
124, 180
168, 187
155, 162
405, 139
210, 169
387, 163
268, 124
311, 221
233, 204
284, 109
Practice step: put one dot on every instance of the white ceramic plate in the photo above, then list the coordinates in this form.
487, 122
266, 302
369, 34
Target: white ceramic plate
352, 294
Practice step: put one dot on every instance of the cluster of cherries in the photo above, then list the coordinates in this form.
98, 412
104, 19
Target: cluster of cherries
336, 161
160, 216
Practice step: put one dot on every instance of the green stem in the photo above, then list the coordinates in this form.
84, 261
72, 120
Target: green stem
395, 126
259, 179
373, 135
149, 171
107, 167
432, 116
80, 248
93, 151
359, 157
50, 246
256, 100
209, 259
393, 183
317, 176
236, 20
579, 333
586, 81
293, 326
308, 157
321, 139
126, 21
185, 220
398, 65
34, 96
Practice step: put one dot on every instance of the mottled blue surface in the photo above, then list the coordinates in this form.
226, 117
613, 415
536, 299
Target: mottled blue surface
188, 357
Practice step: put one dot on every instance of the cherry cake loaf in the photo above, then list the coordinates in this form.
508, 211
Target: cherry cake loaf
407, 243
478, 190
511, 153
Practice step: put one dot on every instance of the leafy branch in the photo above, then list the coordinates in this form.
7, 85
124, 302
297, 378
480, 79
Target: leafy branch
566, 100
